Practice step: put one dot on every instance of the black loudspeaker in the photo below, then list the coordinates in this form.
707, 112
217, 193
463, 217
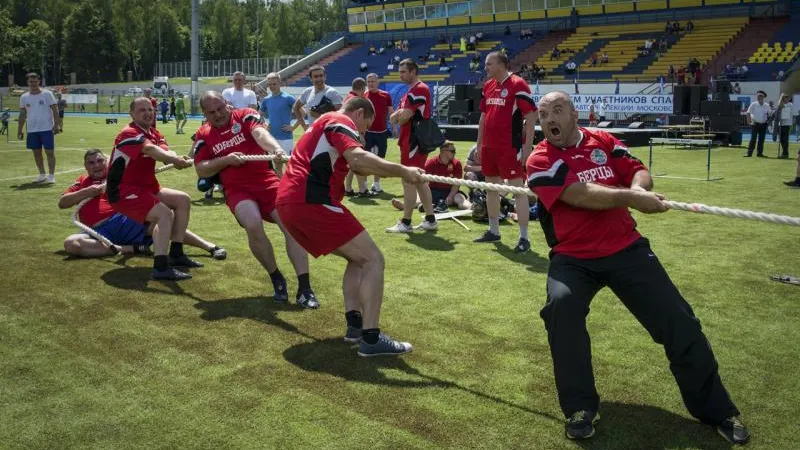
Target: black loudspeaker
722, 87
474, 117
636, 125
719, 108
698, 94
475, 94
735, 138
680, 99
604, 124
727, 124
463, 91
459, 106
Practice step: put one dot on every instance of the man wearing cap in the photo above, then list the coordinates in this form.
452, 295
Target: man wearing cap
757, 117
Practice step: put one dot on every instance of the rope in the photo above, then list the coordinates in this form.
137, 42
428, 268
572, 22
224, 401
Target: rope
679, 206
283, 158
88, 230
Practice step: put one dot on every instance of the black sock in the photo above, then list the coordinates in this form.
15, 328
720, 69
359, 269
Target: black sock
303, 283
354, 319
160, 263
175, 249
406, 222
797, 180
370, 336
430, 218
276, 276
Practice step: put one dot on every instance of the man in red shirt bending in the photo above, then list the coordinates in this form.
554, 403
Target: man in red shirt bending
133, 191
250, 187
310, 205
506, 104
586, 181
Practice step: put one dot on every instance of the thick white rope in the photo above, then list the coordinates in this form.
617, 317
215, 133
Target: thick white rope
283, 158
88, 230
691, 207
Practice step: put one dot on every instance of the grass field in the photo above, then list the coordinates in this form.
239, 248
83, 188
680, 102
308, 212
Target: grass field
95, 355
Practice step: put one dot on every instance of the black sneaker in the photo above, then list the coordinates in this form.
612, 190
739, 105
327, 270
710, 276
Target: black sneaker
307, 299
792, 184
218, 253
488, 236
184, 261
170, 274
522, 246
761, 155
349, 193
280, 295
734, 431
581, 425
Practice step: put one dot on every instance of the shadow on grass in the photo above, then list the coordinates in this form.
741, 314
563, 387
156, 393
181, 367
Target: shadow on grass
624, 426
534, 262
121, 260
27, 186
334, 357
431, 241
138, 279
215, 201
259, 309
363, 200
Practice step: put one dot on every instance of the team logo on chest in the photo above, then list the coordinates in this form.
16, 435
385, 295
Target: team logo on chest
236, 128
504, 93
598, 157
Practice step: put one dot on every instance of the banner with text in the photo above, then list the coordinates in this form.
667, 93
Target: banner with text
80, 98
622, 103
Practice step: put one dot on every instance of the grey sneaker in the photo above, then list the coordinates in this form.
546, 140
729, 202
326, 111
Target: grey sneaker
385, 346
581, 424
353, 335
734, 431
307, 299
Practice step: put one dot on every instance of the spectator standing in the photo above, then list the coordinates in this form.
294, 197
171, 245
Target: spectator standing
757, 117
239, 96
317, 99
38, 109
277, 109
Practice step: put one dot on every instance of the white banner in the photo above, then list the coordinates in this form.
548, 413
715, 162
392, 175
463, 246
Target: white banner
622, 103
80, 98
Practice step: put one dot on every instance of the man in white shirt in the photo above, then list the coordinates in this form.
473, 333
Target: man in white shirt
601, 110
317, 99
38, 107
238, 96
757, 117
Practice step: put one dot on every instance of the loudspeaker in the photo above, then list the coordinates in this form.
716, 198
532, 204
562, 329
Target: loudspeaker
719, 108
474, 117
735, 138
463, 91
636, 125
724, 123
680, 99
459, 106
475, 94
604, 124
722, 87
698, 94
110, 121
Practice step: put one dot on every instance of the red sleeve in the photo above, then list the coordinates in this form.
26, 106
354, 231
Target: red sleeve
417, 100
201, 150
130, 142
523, 98
388, 98
458, 171
79, 184
342, 136
624, 164
548, 176
251, 120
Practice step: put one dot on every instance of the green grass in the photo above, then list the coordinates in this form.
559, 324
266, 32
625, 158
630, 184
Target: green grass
94, 355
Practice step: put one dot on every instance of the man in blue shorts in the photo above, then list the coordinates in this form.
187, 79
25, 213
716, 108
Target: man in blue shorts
39, 109
128, 236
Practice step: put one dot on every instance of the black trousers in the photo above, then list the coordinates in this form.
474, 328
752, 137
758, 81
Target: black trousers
636, 276
758, 130
784, 140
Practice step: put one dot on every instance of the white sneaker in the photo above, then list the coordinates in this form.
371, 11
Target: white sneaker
400, 228
428, 226
40, 178
376, 187
51, 179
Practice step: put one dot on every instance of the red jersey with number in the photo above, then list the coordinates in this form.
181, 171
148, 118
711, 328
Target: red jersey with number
504, 106
129, 168
453, 169
583, 233
417, 99
95, 210
381, 102
315, 173
235, 136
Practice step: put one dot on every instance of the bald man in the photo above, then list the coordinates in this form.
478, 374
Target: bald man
586, 181
133, 191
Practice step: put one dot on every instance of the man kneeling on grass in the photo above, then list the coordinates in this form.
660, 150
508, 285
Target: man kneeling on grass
128, 236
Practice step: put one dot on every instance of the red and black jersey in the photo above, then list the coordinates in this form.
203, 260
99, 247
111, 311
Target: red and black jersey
235, 136
504, 106
129, 167
583, 233
315, 173
418, 100
381, 102
95, 210
350, 95
452, 169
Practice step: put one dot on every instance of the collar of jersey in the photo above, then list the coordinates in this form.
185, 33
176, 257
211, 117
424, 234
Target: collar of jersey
580, 141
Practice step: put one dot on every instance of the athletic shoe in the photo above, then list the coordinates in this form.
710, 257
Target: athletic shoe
762, 156
209, 194
792, 184
734, 431
488, 236
307, 299
522, 246
398, 204
429, 226
171, 274
376, 188
581, 425
349, 193
385, 346
218, 253
42, 177
280, 295
218, 188
51, 179
184, 261
400, 228
365, 194
352, 335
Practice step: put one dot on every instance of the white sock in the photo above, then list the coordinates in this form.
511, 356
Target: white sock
523, 233
494, 226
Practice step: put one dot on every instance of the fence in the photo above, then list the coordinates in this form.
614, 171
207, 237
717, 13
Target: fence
225, 67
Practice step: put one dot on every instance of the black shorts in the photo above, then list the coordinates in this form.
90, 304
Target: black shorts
441, 195
376, 142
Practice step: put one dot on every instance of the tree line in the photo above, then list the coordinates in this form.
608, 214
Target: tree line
101, 40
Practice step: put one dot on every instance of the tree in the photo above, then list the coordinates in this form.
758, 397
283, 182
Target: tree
34, 42
91, 49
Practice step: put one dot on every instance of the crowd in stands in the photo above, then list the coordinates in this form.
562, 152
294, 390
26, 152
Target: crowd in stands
532, 73
675, 27
737, 70
689, 74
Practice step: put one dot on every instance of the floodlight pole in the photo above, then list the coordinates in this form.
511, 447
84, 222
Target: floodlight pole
195, 49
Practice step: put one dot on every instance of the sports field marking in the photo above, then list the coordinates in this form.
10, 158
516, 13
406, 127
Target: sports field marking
34, 175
